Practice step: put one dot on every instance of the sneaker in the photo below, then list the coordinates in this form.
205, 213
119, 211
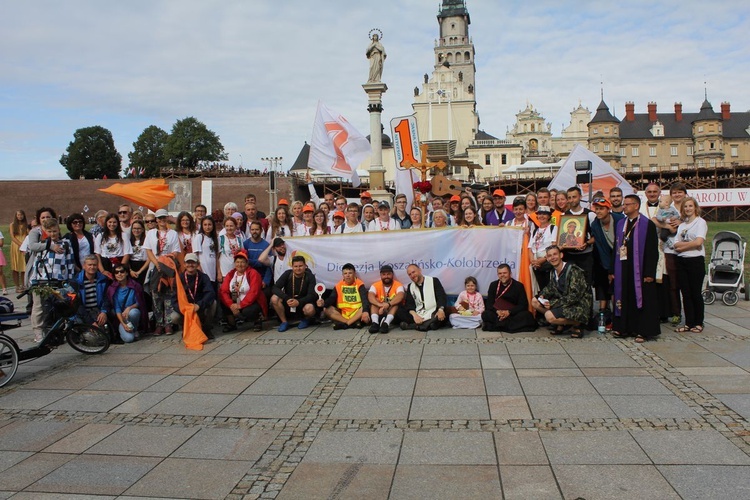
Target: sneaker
283, 327
374, 328
5, 291
404, 325
168, 330
37, 338
159, 331
384, 327
339, 326
258, 326
303, 324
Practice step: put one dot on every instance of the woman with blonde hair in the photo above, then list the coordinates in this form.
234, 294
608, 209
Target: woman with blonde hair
691, 263
19, 229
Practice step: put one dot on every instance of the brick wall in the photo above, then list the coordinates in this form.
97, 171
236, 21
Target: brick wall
69, 196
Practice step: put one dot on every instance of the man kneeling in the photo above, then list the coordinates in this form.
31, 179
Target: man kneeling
425, 302
294, 294
348, 303
566, 300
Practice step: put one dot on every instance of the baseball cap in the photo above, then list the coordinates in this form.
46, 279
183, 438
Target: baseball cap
339, 213
241, 255
161, 213
365, 194
308, 208
277, 242
284, 201
191, 257
386, 268
602, 202
384, 204
544, 209
498, 192
455, 198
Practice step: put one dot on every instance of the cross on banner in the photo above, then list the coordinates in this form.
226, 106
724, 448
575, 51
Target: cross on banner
423, 167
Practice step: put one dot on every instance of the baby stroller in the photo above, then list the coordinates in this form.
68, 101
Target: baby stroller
726, 269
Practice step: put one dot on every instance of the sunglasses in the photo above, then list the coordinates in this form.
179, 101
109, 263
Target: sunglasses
150, 221
77, 222
120, 271
123, 212
600, 200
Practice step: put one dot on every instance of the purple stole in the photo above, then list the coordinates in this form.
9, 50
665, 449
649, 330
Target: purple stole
639, 245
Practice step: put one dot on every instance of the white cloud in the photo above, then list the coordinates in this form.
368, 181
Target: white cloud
253, 71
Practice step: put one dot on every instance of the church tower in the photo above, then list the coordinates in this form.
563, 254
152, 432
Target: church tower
445, 107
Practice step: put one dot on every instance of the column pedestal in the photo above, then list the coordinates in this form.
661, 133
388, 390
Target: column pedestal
375, 93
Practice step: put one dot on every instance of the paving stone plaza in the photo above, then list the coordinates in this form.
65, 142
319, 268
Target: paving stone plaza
326, 414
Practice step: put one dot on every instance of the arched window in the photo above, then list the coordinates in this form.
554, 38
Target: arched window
467, 56
533, 127
449, 57
458, 57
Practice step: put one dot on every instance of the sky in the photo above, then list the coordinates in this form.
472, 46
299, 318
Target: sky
253, 71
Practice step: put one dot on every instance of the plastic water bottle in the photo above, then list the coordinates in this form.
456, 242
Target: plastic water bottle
602, 324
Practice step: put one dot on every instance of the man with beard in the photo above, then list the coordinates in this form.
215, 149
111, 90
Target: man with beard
615, 198
507, 308
634, 269
650, 209
294, 294
385, 297
255, 246
425, 302
249, 216
566, 300
347, 305
278, 261
500, 215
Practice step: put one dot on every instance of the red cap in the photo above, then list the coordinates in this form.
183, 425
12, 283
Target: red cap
241, 255
308, 208
455, 198
365, 194
339, 213
284, 201
498, 192
602, 202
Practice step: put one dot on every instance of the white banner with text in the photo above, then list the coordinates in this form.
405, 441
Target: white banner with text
449, 254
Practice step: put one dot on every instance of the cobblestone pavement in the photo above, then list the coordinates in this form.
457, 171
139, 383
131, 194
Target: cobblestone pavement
318, 413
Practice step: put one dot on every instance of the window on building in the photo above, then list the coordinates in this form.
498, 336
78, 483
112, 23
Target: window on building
735, 152
700, 128
606, 130
596, 148
653, 167
634, 151
701, 164
712, 163
712, 145
652, 150
690, 150
504, 159
622, 151
673, 150
700, 146
674, 166
457, 169
606, 147
595, 130
636, 167
487, 160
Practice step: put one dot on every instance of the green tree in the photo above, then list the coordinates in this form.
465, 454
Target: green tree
92, 154
190, 143
149, 151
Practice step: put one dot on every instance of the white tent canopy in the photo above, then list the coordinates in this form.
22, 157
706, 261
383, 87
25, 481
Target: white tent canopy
605, 177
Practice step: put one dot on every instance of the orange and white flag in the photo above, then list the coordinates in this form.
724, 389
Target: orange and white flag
336, 147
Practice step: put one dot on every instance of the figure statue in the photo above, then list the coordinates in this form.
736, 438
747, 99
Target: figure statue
460, 76
426, 77
471, 89
416, 91
376, 54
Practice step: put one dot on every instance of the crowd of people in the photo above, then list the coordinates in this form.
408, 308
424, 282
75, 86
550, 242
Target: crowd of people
643, 263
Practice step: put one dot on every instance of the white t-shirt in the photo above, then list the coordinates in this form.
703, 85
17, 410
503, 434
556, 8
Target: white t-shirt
186, 242
109, 247
690, 231
227, 248
203, 246
139, 252
356, 228
84, 248
379, 225
541, 239
170, 242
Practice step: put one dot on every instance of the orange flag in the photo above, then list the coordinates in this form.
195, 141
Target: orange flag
192, 330
152, 194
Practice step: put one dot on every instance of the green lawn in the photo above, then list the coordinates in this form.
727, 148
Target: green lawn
743, 228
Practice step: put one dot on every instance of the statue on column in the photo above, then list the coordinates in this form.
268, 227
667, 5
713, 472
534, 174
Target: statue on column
376, 54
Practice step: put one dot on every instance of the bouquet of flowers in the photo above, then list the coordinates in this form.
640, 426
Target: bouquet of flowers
423, 187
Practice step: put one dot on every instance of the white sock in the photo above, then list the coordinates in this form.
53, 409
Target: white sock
388, 319
375, 319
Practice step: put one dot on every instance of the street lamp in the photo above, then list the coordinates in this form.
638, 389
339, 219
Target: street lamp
274, 162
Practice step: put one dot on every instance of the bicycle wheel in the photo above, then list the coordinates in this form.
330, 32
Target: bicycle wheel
8, 361
87, 339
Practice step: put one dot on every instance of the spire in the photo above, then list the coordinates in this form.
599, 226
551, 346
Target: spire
603, 115
453, 8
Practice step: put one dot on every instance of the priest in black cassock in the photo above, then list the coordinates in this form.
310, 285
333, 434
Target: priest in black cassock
636, 304
507, 308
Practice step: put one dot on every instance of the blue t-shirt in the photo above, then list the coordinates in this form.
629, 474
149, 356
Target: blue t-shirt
124, 297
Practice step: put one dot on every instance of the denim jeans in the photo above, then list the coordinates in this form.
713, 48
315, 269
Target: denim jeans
134, 316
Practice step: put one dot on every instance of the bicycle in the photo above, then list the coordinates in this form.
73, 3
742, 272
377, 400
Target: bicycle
65, 300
